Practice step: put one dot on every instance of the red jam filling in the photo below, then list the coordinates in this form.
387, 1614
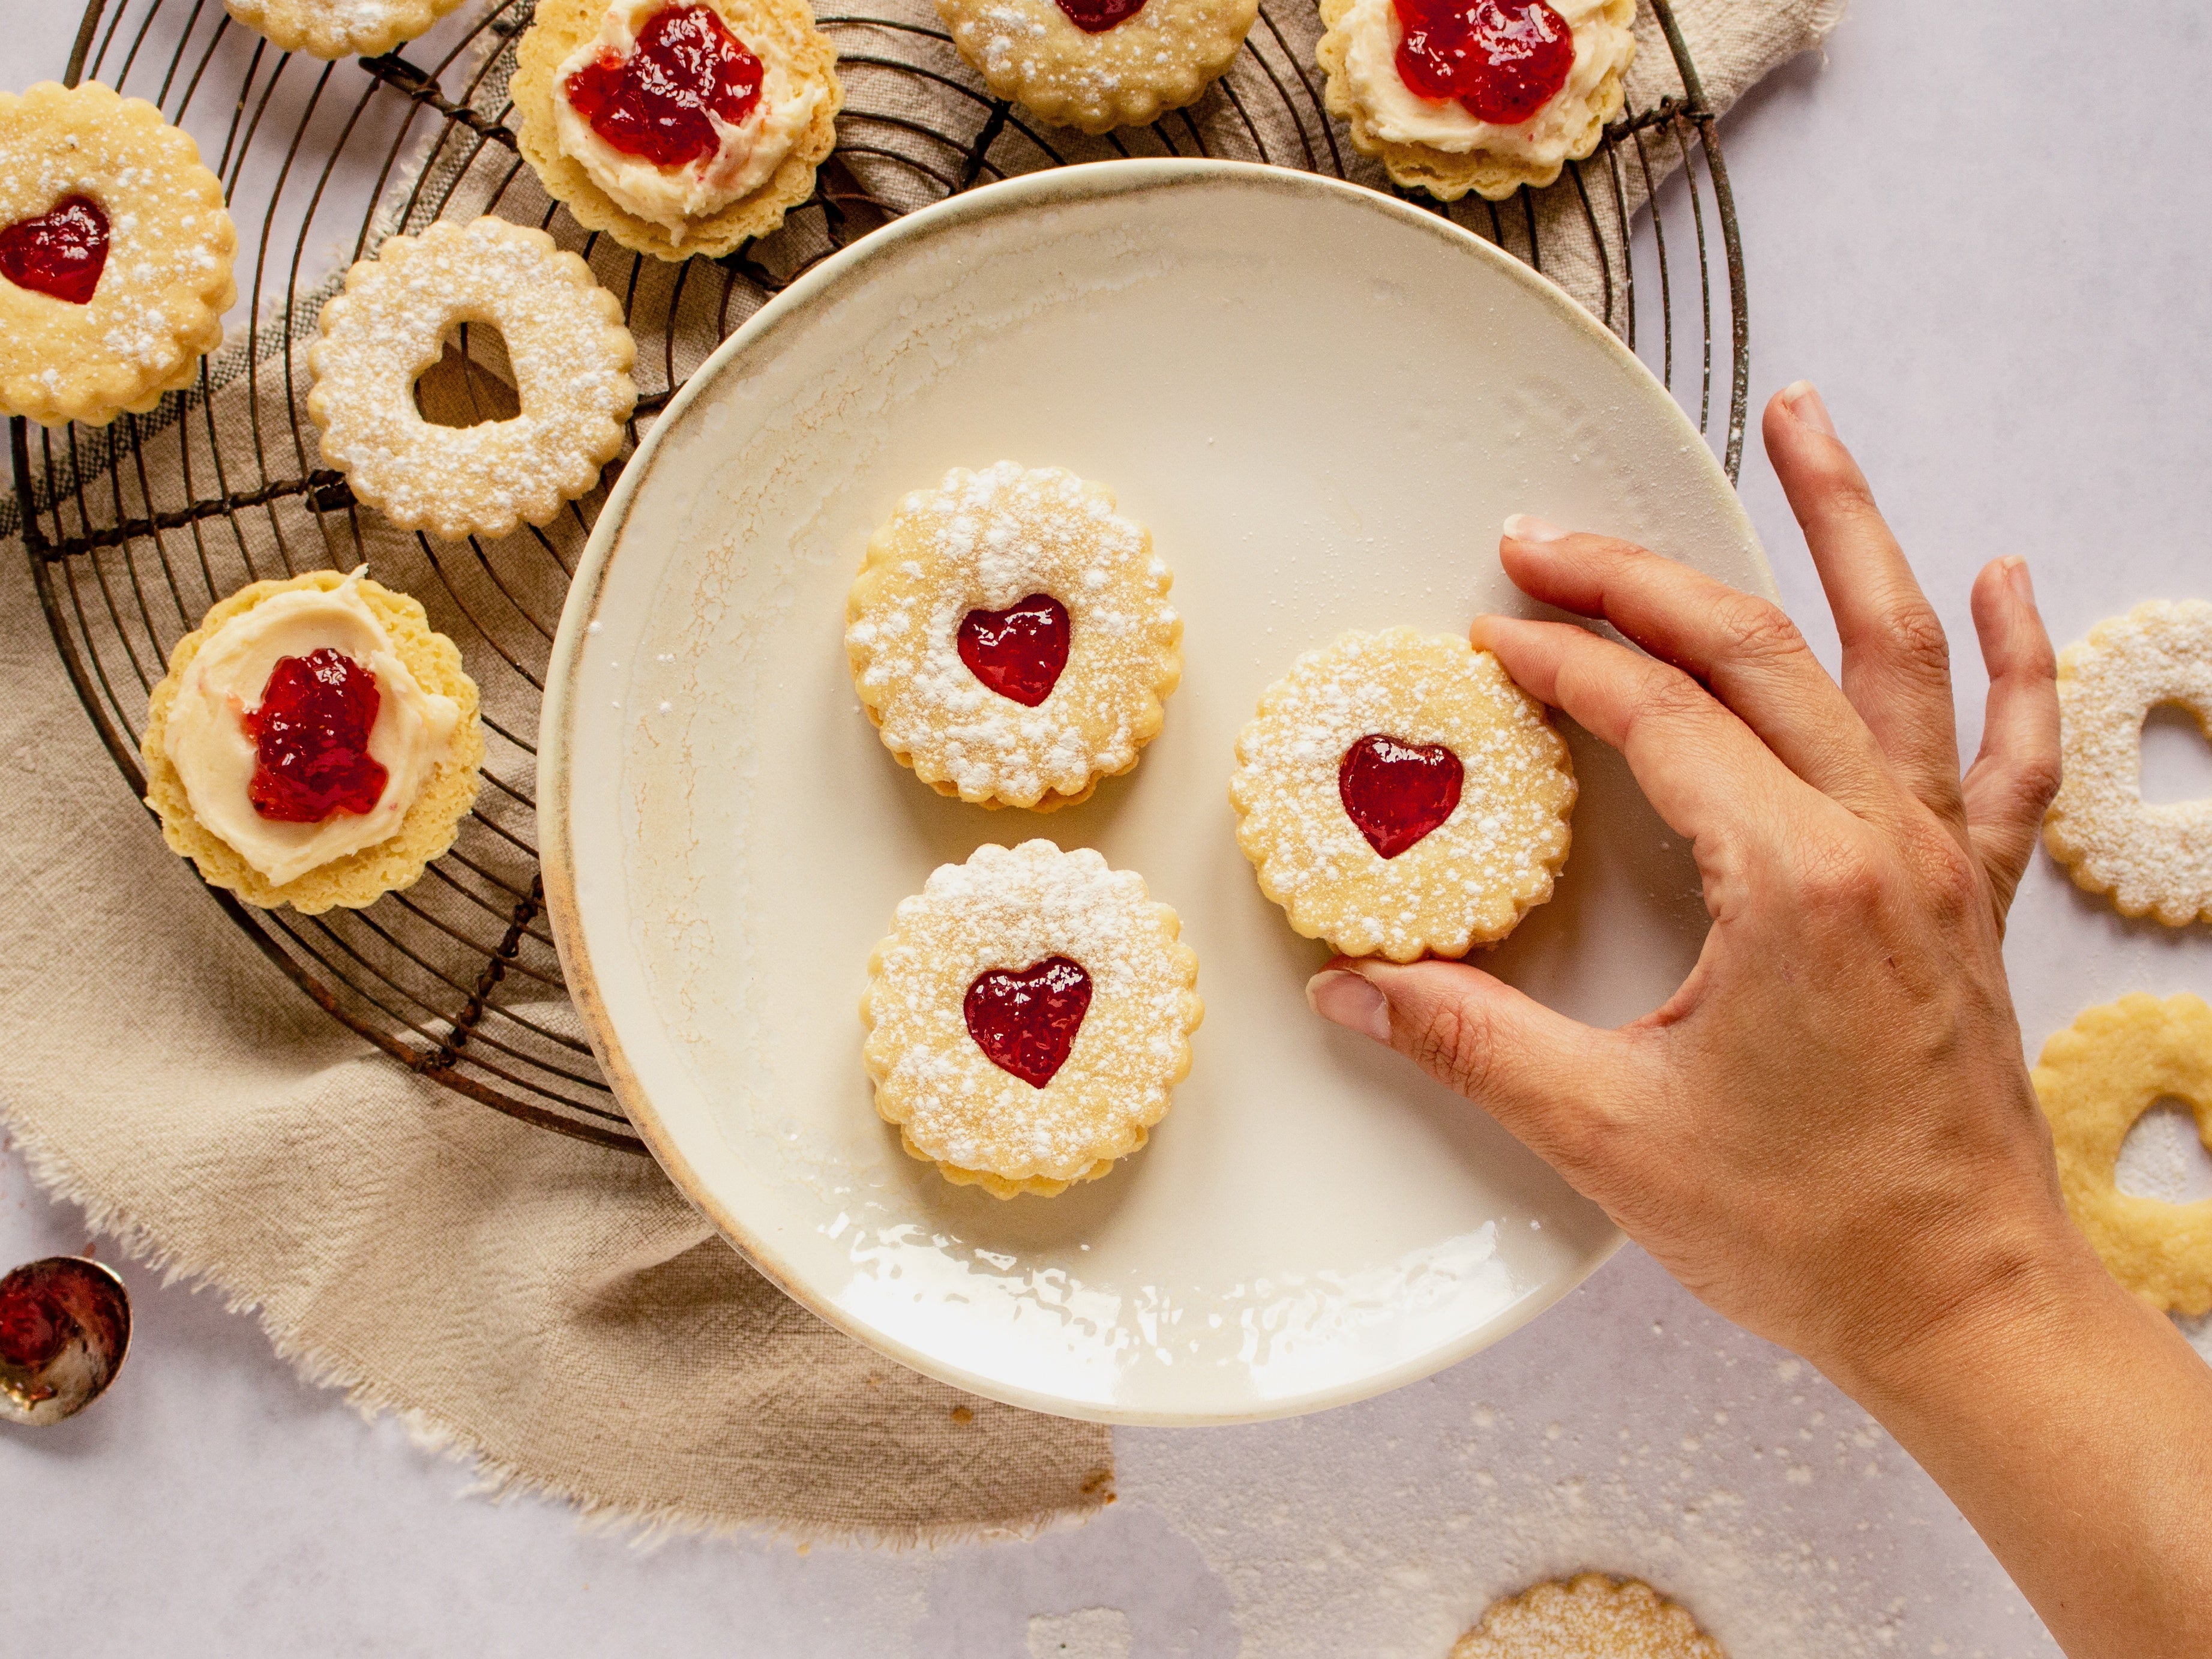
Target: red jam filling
1502, 59
655, 102
1026, 1022
60, 252
1019, 652
1397, 792
1097, 16
35, 1327
311, 739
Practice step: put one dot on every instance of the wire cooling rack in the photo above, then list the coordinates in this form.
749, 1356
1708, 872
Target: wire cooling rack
457, 977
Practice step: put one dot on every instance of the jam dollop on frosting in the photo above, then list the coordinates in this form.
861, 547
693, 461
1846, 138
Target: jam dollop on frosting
1019, 652
1397, 792
61, 252
1097, 16
1026, 1022
1501, 59
311, 739
656, 102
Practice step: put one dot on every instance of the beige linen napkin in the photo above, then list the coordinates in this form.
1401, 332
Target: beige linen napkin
553, 1310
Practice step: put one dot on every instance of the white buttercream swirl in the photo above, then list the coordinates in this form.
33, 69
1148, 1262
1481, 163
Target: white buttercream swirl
1399, 115
747, 156
208, 744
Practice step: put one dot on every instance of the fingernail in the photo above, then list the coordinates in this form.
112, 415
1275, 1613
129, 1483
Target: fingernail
1522, 528
1345, 998
1804, 401
2016, 573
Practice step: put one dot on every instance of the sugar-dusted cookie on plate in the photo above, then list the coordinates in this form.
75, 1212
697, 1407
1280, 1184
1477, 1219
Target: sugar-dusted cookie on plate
1028, 1017
1010, 637
1398, 794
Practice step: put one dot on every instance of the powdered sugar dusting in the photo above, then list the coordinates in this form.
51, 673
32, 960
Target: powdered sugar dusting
2149, 858
984, 540
1469, 880
1008, 908
564, 337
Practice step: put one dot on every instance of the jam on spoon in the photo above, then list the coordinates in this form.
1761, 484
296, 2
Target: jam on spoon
656, 102
311, 739
61, 252
1501, 59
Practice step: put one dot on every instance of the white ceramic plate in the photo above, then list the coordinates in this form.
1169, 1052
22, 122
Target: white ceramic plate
1322, 401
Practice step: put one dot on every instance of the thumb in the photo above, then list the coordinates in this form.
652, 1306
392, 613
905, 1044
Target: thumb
1548, 1079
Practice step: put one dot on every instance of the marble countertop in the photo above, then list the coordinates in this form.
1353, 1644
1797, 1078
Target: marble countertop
2006, 314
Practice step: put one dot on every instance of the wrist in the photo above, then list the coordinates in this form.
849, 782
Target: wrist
2024, 1296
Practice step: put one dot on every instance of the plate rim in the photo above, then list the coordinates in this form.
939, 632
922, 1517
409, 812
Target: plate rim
1028, 191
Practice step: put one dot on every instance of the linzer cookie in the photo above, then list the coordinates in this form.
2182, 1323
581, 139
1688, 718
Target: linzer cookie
338, 29
315, 743
115, 255
1098, 64
1398, 795
1010, 636
564, 337
2094, 1080
2149, 858
1028, 1017
1589, 1617
677, 129
1487, 97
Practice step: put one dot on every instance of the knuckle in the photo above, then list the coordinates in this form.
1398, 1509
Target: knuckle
1836, 880
1453, 1041
2036, 777
1753, 629
1912, 634
1668, 694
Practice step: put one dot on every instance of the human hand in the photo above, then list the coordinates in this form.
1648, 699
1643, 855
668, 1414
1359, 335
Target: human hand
1828, 1133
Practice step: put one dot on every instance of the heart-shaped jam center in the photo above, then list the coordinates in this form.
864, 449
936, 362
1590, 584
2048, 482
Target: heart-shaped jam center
1019, 652
61, 252
656, 103
310, 736
1397, 792
1026, 1022
1502, 59
1097, 16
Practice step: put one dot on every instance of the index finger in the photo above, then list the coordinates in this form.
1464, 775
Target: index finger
1699, 765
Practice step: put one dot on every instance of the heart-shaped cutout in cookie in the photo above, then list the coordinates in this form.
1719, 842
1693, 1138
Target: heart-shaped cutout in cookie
61, 252
1097, 16
1019, 652
1397, 792
1026, 1022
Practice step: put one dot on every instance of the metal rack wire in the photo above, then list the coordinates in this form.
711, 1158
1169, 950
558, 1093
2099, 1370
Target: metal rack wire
457, 977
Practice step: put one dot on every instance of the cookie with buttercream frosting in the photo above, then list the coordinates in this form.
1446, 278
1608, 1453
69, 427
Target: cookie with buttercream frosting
1028, 1018
1398, 795
315, 743
1010, 636
1487, 98
678, 127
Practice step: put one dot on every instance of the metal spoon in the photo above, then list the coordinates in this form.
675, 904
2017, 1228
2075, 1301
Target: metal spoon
64, 1327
